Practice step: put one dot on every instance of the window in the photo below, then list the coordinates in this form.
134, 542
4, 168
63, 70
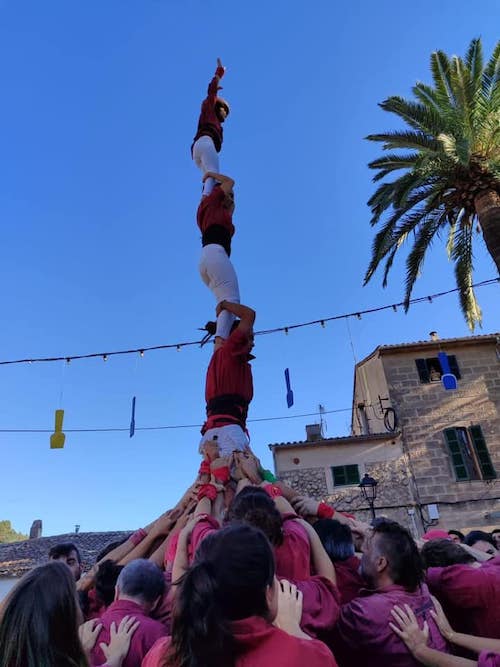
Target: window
429, 370
345, 475
469, 453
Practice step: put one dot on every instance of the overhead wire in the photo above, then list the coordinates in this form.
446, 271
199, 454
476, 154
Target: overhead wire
178, 346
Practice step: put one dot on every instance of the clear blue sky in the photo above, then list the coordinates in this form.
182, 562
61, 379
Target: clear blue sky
99, 243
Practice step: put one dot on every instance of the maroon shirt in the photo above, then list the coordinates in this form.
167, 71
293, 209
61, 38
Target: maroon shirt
148, 632
293, 557
208, 123
229, 373
470, 596
349, 580
363, 636
261, 644
212, 212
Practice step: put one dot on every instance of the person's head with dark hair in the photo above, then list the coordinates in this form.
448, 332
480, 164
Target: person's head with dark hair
105, 581
68, 553
390, 556
222, 109
337, 539
142, 582
232, 578
253, 506
495, 536
481, 541
456, 536
440, 553
39, 621
108, 548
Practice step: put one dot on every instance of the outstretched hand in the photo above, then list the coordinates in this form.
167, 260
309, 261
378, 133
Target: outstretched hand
119, 641
220, 69
289, 609
441, 620
407, 628
88, 633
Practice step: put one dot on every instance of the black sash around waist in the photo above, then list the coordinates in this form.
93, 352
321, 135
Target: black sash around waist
219, 235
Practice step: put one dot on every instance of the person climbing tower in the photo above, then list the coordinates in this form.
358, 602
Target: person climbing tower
215, 220
207, 142
229, 384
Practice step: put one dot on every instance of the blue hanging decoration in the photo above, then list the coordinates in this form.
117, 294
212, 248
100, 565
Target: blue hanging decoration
448, 379
132, 420
289, 392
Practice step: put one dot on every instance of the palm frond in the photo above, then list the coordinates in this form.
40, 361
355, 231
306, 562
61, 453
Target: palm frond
491, 74
462, 255
440, 68
427, 96
420, 117
406, 139
475, 64
423, 241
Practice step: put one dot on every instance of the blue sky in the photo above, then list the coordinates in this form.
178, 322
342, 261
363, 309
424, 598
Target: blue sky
100, 248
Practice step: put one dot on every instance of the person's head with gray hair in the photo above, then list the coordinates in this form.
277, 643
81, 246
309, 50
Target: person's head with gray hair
142, 582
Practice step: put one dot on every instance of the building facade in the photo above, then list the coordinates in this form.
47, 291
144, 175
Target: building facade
435, 451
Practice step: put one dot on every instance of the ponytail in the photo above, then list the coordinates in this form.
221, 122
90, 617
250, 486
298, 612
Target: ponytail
201, 636
232, 571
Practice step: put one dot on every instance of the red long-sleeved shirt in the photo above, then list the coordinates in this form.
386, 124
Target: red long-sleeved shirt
208, 123
260, 643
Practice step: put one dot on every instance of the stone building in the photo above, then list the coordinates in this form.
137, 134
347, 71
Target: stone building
434, 451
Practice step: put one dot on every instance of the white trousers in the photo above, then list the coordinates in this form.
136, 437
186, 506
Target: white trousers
229, 438
218, 274
206, 159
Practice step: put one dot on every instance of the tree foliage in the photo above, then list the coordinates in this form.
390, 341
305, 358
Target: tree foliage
8, 534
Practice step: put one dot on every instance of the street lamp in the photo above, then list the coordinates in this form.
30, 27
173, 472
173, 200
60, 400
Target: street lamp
368, 487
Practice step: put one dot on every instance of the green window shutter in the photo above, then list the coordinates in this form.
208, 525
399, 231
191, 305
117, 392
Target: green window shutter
339, 476
352, 474
452, 360
483, 456
423, 372
456, 456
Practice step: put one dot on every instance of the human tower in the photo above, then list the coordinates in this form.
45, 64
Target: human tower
228, 385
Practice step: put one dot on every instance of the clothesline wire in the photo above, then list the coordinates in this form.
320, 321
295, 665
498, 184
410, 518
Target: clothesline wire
161, 428
322, 321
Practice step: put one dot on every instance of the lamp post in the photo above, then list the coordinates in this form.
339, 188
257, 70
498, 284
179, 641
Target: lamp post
368, 487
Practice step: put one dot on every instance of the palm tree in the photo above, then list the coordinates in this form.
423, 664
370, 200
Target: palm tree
451, 171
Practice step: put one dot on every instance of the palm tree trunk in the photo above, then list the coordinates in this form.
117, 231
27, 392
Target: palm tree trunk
487, 206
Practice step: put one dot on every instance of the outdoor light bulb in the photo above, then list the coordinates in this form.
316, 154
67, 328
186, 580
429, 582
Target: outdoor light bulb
178, 348
429, 298
358, 315
68, 360
141, 352
322, 323
395, 308
286, 331
104, 357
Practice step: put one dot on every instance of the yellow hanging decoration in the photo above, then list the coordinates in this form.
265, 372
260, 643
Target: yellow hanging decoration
57, 438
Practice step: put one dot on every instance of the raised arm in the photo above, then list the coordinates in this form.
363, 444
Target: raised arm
320, 559
226, 182
244, 313
213, 86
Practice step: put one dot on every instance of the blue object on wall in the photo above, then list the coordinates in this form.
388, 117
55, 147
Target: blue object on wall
289, 392
447, 378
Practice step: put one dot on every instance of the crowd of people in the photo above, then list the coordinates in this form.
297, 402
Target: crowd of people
244, 571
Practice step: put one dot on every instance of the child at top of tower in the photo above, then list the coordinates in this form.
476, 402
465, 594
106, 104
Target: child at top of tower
207, 142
